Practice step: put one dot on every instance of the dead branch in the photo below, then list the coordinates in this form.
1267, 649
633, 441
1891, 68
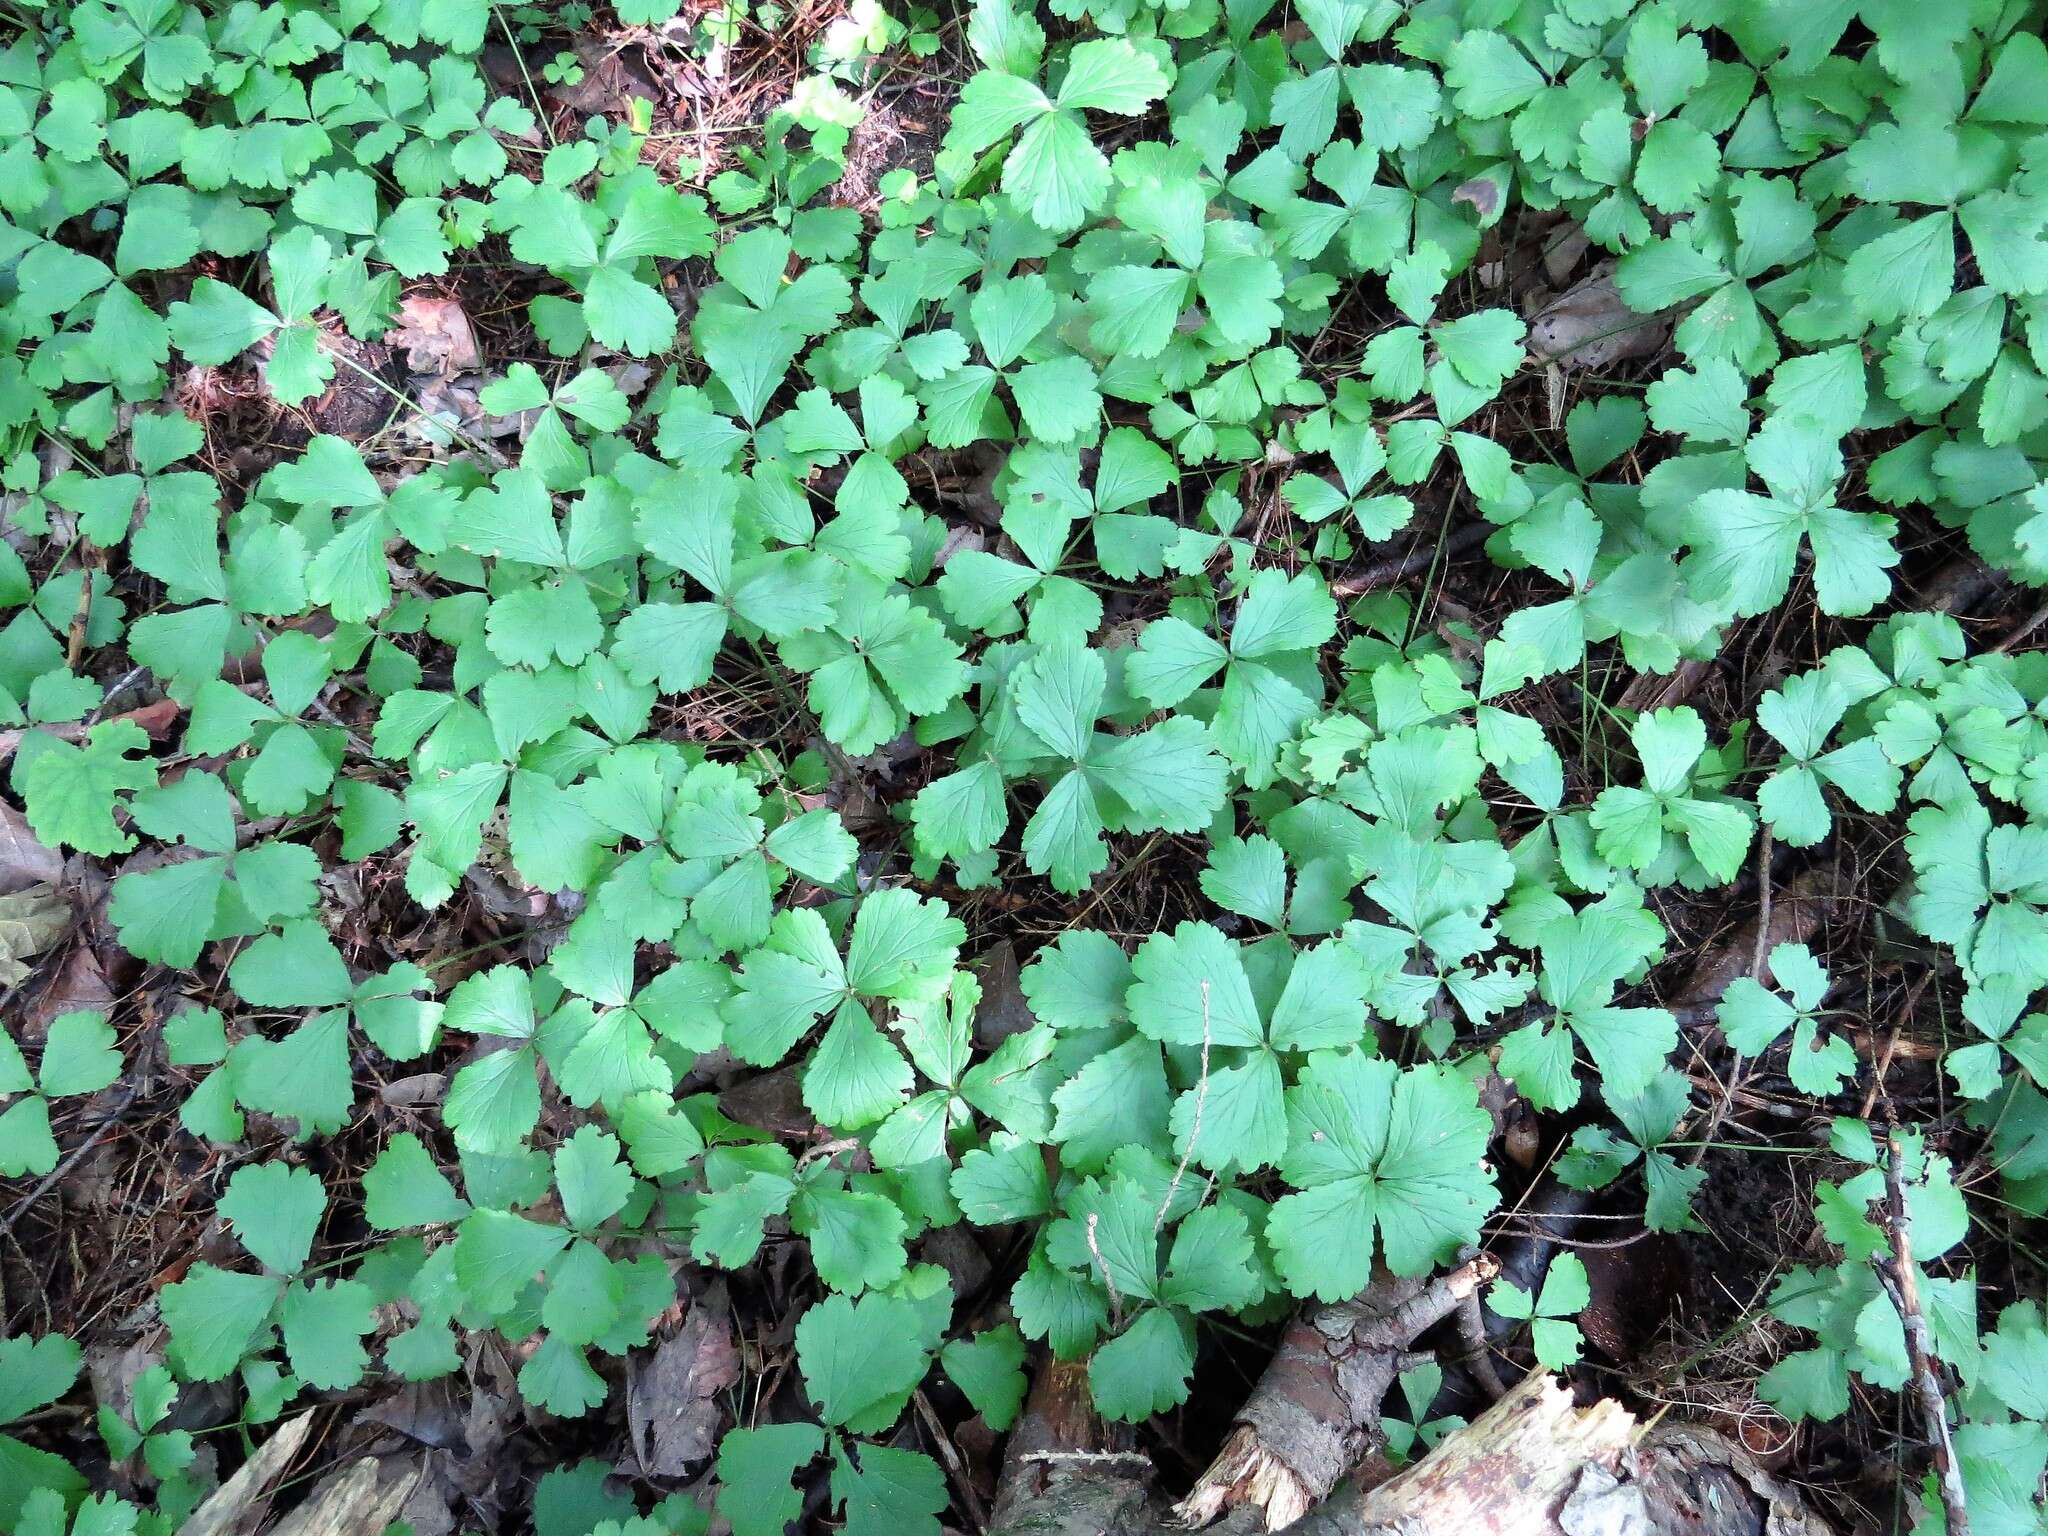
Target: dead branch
1902, 1284
1477, 1356
1798, 909
1393, 571
1533, 1464
1316, 1410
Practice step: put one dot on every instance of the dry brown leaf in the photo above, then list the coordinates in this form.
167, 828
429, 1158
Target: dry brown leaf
672, 1408
1590, 326
79, 983
30, 922
24, 861
436, 335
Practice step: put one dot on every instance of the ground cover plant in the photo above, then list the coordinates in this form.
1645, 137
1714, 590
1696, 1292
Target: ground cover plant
731, 735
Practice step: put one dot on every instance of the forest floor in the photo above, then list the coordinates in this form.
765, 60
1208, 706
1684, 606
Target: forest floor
1676, 1322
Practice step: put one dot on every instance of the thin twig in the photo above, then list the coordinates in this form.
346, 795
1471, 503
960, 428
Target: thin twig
1902, 1284
977, 1512
113, 1118
74, 643
2023, 632
1195, 1130
1764, 845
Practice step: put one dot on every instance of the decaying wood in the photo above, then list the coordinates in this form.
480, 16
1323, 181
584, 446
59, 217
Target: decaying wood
1065, 1472
1526, 1467
1316, 1410
1534, 1464
364, 1497
1800, 906
1393, 571
1695, 1482
237, 1505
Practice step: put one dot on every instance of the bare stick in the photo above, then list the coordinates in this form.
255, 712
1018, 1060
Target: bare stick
1902, 1285
1316, 1410
943, 1443
113, 1118
1393, 571
1765, 843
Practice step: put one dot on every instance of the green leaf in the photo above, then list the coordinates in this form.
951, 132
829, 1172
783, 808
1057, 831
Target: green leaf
297, 967
903, 945
493, 1102
860, 1359
80, 1055
890, 1492
35, 1372
1488, 75
989, 1369
217, 324
275, 1211
856, 1238
216, 1318
754, 1471
1111, 75
1372, 1147
1145, 1369
70, 792
323, 1324
403, 1188
498, 1254
305, 1076
1191, 989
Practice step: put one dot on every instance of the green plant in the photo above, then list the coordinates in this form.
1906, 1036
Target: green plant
1125, 294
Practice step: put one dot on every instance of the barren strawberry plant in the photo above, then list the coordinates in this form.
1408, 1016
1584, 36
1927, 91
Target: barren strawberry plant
1053, 770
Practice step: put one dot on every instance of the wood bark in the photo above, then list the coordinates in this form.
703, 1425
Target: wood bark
1534, 1464
1522, 1468
1315, 1412
1065, 1472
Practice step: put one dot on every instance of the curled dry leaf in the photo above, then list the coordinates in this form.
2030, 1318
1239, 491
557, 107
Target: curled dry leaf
672, 1404
31, 921
24, 861
1590, 326
436, 335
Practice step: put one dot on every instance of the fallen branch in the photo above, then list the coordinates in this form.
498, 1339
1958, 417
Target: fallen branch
1797, 910
1533, 1464
1316, 1410
1391, 572
1477, 1349
237, 1503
